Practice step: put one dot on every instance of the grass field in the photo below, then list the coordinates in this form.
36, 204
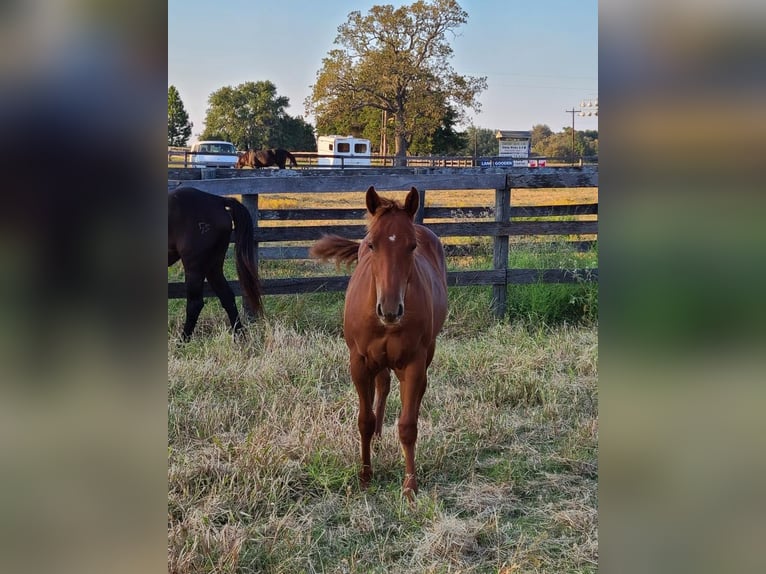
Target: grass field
263, 456
445, 198
263, 444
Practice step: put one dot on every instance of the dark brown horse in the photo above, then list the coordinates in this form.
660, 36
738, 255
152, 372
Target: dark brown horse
396, 304
265, 158
199, 231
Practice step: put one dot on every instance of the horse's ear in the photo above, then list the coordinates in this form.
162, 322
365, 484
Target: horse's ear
412, 202
373, 201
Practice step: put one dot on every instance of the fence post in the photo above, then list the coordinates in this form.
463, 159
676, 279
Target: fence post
500, 250
421, 213
250, 201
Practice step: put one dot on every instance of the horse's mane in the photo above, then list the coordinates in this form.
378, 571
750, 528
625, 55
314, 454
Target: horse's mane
385, 205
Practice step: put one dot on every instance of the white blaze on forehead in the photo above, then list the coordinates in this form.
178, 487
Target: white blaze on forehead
392, 238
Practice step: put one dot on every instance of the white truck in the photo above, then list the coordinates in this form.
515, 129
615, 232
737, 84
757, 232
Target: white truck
213, 153
348, 151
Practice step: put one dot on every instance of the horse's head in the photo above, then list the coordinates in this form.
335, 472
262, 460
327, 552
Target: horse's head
390, 243
243, 160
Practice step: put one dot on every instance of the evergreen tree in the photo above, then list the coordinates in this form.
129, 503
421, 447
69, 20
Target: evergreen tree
179, 126
445, 140
295, 134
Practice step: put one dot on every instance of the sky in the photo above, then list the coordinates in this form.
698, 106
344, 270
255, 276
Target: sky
540, 58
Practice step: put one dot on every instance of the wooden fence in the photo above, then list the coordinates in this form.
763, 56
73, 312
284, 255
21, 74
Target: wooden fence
500, 222
181, 157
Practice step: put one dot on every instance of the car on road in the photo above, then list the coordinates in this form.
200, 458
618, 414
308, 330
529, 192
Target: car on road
213, 153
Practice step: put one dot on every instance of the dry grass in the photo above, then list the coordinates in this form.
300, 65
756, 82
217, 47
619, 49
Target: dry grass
263, 456
263, 448
442, 198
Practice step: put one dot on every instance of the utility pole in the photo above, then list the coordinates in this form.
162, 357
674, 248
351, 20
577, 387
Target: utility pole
383, 142
587, 108
572, 111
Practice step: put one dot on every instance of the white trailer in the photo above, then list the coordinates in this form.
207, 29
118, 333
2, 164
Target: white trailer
349, 151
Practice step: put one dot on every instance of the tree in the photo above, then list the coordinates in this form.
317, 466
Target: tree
365, 123
397, 61
179, 126
559, 145
480, 140
295, 134
445, 140
249, 115
540, 133
590, 142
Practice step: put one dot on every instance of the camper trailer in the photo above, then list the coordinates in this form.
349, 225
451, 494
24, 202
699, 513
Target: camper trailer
349, 151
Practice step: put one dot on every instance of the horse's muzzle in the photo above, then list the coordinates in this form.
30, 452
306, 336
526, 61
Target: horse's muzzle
389, 317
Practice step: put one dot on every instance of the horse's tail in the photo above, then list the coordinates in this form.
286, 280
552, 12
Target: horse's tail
291, 157
334, 247
244, 254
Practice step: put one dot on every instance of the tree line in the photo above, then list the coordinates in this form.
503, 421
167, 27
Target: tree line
388, 80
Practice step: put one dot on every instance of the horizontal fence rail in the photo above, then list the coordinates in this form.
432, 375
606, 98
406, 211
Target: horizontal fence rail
502, 222
179, 157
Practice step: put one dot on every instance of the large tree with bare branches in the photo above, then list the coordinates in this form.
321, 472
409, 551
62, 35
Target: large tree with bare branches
396, 61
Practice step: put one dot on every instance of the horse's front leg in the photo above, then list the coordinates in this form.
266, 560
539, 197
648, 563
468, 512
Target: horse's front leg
382, 387
412, 386
365, 389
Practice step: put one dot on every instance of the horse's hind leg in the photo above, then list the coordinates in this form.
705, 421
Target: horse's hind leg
194, 301
382, 387
173, 256
222, 289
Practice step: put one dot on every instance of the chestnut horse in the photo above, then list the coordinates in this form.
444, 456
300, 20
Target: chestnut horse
396, 304
199, 231
265, 158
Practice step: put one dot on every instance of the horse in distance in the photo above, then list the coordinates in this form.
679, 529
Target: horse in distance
396, 305
265, 158
199, 232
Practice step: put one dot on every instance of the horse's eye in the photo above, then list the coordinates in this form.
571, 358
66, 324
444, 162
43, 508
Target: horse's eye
371, 246
413, 246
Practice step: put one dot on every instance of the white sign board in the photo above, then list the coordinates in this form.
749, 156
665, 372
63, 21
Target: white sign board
518, 148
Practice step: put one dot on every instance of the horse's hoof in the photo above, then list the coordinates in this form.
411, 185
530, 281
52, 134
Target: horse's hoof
364, 478
239, 334
410, 488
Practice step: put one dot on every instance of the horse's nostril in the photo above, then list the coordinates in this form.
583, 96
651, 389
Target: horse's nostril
401, 310
379, 310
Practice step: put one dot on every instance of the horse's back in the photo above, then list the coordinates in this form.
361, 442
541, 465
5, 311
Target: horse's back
188, 203
195, 218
